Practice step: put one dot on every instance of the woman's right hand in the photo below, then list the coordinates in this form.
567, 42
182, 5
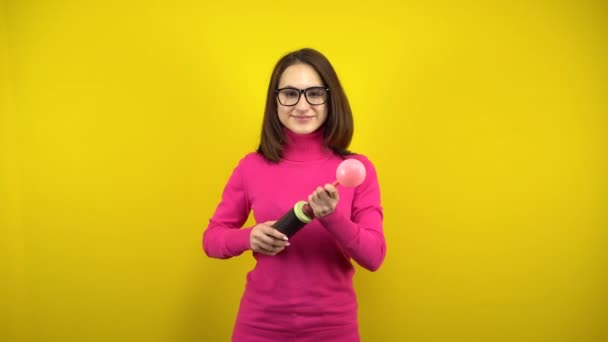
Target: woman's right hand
266, 240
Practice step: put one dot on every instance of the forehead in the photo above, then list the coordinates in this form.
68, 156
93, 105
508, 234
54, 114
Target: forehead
300, 76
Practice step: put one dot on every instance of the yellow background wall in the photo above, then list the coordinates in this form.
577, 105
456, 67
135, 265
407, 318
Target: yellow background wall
120, 122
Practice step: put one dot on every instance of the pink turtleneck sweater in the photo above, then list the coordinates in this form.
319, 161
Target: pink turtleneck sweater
306, 291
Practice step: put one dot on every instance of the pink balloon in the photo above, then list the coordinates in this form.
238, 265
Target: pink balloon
350, 173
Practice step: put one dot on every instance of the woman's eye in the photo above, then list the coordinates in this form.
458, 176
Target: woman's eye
315, 93
291, 93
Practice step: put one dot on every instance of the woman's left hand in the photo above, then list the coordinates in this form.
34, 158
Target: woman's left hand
324, 200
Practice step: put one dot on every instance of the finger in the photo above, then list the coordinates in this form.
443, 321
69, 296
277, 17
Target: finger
269, 249
317, 194
331, 190
270, 241
264, 250
318, 198
327, 192
273, 233
323, 196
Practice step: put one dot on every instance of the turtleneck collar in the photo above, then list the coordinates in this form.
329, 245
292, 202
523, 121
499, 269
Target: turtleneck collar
305, 147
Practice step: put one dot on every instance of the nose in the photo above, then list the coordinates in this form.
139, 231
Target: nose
302, 104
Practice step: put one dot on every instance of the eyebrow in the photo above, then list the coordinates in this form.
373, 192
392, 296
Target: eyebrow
290, 86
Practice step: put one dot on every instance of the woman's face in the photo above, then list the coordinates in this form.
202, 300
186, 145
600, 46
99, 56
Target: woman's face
302, 118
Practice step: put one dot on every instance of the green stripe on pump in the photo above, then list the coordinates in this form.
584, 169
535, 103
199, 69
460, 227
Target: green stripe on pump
297, 209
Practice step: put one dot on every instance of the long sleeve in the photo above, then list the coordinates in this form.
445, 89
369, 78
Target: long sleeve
314, 274
224, 237
361, 235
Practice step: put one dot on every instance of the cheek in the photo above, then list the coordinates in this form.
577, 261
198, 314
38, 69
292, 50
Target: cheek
283, 114
282, 111
323, 114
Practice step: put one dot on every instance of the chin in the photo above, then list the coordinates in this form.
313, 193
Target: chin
303, 129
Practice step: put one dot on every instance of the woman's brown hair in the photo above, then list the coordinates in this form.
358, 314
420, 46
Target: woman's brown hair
339, 124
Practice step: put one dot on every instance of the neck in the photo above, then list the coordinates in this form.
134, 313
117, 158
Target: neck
305, 147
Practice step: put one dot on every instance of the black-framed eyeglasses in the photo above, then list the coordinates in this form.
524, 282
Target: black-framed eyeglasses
290, 96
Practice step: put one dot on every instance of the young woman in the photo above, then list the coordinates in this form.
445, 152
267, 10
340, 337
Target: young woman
301, 288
